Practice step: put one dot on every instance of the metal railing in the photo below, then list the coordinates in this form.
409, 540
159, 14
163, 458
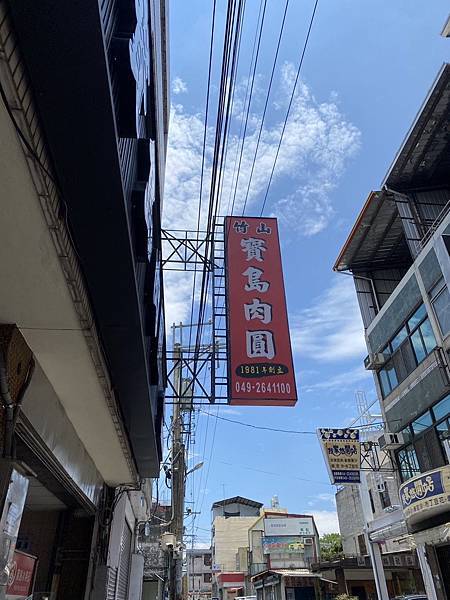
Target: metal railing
441, 216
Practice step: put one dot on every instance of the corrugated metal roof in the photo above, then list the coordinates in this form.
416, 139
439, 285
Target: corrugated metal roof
293, 573
377, 239
237, 500
424, 157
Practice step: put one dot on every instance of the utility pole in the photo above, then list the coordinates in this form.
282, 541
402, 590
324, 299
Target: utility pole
178, 482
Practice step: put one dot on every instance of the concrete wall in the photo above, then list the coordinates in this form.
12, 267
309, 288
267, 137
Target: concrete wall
350, 516
235, 509
229, 535
196, 571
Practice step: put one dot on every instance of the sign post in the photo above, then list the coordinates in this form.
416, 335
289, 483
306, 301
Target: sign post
342, 452
261, 370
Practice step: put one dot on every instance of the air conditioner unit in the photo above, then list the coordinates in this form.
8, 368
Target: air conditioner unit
374, 361
390, 441
381, 486
308, 541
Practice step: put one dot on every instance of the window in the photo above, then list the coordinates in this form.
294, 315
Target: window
207, 577
372, 505
442, 408
440, 299
408, 348
398, 339
384, 497
422, 423
207, 560
407, 463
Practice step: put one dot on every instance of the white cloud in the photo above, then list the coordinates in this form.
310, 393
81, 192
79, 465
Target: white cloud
177, 297
326, 521
324, 497
179, 86
331, 328
346, 380
317, 143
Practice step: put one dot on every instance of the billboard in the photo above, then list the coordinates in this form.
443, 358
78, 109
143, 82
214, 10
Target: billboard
289, 526
342, 451
260, 366
282, 544
426, 495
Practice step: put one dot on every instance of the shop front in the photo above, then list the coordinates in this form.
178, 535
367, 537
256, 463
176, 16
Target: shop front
295, 584
426, 506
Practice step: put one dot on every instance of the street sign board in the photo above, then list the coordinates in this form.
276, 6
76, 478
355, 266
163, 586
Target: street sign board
342, 452
289, 526
261, 370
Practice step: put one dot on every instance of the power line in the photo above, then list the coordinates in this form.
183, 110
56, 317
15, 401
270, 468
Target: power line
249, 103
266, 103
244, 105
273, 473
305, 45
205, 131
274, 429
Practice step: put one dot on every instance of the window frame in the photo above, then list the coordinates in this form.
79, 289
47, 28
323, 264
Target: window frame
442, 286
414, 437
396, 355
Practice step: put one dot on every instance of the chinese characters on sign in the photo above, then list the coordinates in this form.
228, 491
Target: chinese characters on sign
260, 358
342, 452
426, 495
21, 576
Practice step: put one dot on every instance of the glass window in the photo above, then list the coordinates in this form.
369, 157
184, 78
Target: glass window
391, 375
384, 382
422, 423
428, 336
418, 316
406, 433
441, 306
442, 408
443, 431
399, 338
408, 463
419, 350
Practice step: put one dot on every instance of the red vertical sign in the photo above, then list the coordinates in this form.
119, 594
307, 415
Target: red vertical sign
261, 371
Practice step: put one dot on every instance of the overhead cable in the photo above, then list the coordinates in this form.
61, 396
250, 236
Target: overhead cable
266, 104
305, 45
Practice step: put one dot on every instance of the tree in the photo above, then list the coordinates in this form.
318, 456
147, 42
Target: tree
330, 546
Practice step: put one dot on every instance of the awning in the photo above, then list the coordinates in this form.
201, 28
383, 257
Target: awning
424, 157
377, 240
292, 573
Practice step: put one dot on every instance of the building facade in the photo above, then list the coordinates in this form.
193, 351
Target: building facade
83, 122
282, 540
231, 521
353, 572
199, 574
398, 254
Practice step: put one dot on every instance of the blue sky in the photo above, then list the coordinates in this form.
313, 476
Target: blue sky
367, 70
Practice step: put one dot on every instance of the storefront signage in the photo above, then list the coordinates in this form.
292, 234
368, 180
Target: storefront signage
289, 526
426, 495
282, 544
342, 451
140, 57
261, 370
21, 576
